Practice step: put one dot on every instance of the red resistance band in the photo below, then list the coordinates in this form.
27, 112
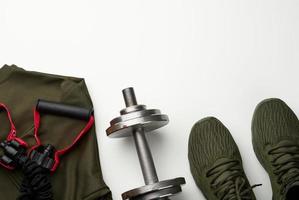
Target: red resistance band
63, 151
12, 136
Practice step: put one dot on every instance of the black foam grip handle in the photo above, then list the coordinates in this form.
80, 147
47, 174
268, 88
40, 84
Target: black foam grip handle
55, 108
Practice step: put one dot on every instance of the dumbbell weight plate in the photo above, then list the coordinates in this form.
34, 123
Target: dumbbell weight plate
134, 115
132, 109
149, 120
156, 189
161, 194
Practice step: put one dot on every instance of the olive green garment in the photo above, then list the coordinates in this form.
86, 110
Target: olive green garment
79, 175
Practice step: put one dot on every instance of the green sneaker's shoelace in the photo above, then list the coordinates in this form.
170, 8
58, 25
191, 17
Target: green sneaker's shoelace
285, 161
228, 181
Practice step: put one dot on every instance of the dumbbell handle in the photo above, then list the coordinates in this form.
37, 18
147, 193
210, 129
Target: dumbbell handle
145, 157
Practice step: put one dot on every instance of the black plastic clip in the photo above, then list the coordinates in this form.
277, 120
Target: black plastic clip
44, 156
14, 154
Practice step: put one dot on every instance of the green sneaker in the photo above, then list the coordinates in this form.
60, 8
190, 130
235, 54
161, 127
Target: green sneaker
275, 138
216, 163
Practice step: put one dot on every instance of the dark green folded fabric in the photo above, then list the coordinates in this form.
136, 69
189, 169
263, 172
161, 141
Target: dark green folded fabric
79, 175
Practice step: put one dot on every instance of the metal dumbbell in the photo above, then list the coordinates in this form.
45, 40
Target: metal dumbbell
135, 120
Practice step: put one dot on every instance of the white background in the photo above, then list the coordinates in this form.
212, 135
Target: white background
190, 58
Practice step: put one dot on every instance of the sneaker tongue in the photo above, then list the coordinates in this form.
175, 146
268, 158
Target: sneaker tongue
292, 191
